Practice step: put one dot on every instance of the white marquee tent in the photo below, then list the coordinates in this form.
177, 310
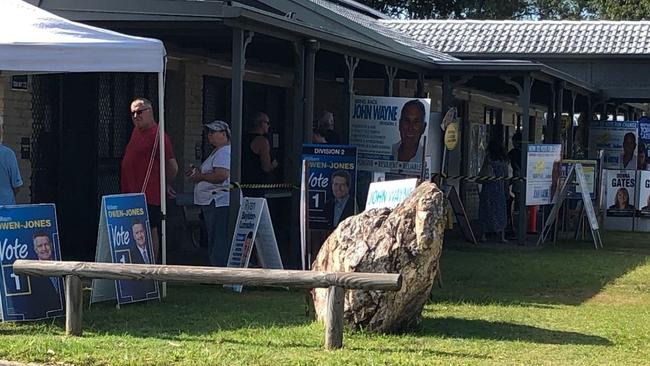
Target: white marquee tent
34, 40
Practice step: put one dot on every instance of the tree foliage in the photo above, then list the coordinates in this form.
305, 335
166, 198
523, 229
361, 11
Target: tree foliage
514, 9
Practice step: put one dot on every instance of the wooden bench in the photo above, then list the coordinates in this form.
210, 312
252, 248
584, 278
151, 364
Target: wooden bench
336, 282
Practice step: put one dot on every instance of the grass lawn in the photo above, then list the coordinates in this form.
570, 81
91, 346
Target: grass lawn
562, 305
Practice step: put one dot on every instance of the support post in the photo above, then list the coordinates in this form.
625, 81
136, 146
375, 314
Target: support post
239, 44
311, 47
572, 112
334, 319
391, 73
73, 306
524, 104
559, 108
351, 63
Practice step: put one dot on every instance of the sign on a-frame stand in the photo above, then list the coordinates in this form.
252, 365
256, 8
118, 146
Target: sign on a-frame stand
558, 199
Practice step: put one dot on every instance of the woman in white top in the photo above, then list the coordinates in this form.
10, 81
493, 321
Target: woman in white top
211, 191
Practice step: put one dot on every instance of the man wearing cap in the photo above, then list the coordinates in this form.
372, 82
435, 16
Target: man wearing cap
211, 191
140, 171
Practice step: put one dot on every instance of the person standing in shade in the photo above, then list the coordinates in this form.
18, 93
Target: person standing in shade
257, 164
325, 124
514, 157
492, 199
342, 206
140, 170
10, 180
211, 191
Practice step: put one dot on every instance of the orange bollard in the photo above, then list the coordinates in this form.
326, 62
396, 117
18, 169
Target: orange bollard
532, 219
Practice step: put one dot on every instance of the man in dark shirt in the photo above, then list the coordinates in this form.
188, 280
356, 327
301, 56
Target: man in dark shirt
514, 156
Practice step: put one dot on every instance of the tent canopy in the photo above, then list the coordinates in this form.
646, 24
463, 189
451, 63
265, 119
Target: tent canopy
31, 39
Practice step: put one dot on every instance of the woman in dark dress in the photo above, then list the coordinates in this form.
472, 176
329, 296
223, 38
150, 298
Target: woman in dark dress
493, 196
257, 163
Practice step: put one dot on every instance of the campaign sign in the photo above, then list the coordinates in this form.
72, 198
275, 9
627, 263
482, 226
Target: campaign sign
332, 177
621, 190
389, 194
253, 228
129, 239
29, 232
589, 169
643, 199
542, 173
644, 138
391, 133
618, 139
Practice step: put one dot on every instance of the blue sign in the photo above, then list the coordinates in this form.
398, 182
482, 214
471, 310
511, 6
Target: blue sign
331, 183
29, 232
129, 238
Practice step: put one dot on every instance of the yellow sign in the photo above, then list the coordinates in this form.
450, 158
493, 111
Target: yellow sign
451, 136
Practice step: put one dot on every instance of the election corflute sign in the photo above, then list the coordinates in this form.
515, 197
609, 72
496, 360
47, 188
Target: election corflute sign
124, 236
29, 232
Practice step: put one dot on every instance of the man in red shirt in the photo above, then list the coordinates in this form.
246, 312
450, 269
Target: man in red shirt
141, 164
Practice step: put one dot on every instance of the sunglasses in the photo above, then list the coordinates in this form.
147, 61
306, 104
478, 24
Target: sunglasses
139, 111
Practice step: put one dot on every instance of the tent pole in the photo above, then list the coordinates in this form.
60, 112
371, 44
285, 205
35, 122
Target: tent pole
163, 185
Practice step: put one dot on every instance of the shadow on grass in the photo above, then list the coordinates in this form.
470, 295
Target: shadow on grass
483, 329
346, 346
568, 273
199, 310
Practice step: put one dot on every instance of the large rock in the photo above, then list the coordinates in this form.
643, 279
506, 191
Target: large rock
406, 240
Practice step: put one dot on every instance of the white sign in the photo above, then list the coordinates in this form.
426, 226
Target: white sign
389, 194
586, 199
618, 139
542, 173
621, 189
390, 133
254, 228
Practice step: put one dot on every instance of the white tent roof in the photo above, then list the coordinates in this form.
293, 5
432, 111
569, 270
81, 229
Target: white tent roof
31, 39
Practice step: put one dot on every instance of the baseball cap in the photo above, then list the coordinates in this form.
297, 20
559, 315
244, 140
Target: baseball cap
218, 126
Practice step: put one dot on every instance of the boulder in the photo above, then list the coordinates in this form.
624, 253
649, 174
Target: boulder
406, 240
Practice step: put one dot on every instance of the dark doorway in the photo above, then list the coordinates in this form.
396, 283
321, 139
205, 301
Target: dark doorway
81, 126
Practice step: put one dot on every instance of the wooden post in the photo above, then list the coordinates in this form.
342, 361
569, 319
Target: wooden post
73, 306
334, 318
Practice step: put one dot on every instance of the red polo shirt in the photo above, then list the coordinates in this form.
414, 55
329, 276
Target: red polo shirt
136, 161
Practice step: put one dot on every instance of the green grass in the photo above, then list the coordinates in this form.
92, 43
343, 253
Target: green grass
562, 305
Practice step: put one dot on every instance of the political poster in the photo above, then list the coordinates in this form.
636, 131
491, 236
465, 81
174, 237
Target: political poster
621, 193
253, 229
124, 230
389, 194
643, 162
643, 199
589, 169
618, 139
391, 133
29, 232
331, 184
542, 173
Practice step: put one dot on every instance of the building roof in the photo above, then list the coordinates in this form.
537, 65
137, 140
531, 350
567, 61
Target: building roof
388, 35
544, 38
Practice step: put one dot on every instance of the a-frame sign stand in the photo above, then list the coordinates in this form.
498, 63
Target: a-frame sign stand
558, 199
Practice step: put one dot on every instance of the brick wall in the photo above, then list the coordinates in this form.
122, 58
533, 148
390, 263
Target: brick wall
16, 112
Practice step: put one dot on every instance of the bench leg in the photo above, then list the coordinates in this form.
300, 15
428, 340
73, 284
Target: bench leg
334, 318
73, 306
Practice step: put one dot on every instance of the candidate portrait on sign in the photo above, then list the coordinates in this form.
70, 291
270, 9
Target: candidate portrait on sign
647, 204
140, 253
342, 205
412, 124
622, 200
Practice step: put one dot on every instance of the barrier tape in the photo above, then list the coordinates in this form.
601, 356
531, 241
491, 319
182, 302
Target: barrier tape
236, 185
478, 178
